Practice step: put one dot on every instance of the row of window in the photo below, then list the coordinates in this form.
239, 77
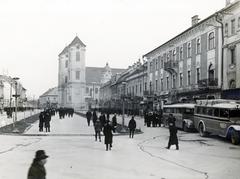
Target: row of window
172, 55
216, 112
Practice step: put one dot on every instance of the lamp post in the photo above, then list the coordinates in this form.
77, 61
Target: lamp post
123, 106
16, 96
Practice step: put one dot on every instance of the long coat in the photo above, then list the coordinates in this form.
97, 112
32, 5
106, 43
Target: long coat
36, 171
98, 126
173, 135
47, 119
132, 124
41, 119
107, 131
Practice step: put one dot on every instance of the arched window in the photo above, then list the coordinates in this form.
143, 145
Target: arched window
211, 40
232, 84
210, 72
174, 55
181, 53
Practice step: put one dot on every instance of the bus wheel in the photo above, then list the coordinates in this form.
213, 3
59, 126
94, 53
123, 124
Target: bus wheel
201, 130
235, 137
185, 128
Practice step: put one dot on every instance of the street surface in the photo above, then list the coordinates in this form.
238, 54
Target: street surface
74, 154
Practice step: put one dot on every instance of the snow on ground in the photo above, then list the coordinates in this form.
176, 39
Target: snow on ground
4, 120
74, 154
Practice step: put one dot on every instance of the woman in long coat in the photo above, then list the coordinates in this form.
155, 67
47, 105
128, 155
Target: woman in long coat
107, 131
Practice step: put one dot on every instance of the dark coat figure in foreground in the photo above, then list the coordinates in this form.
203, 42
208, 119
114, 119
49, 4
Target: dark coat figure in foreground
41, 121
173, 139
98, 129
132, 127
107, 131
37, 169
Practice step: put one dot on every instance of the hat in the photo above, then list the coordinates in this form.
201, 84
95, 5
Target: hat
40, 154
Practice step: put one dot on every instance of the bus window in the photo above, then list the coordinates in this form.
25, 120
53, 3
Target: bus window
188, 111
216, 112
198, 110
224, 113
204, 111
210, 111
234, 113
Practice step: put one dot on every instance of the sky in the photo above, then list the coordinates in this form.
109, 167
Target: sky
34, 32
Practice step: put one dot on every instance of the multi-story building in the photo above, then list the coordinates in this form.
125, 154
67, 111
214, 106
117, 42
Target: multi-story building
190, 65
9, 87
71, 75
231, 53
126, 87
78, 85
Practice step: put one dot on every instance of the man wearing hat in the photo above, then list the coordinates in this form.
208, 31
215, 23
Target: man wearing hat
37, 169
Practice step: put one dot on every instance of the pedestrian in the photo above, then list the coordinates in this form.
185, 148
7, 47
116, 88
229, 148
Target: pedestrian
173, 139
107, 131
132, 127
114, 122
98, 129
94, 117
89, 116
47, 119
41, 121
37, 169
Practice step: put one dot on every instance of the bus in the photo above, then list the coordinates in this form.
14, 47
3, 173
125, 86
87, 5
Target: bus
183, 113
219, 117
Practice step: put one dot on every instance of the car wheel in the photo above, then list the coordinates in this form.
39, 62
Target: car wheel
234, 137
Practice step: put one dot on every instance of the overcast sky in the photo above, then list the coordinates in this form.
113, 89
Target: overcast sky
34, 32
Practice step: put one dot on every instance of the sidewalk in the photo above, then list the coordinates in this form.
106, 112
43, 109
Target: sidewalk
4, 121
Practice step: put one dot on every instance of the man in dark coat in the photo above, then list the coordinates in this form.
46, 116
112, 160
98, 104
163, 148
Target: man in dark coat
37, 169
89, 116
132, 127
47, 119
41, 121
173, 132
98, 129
107, 131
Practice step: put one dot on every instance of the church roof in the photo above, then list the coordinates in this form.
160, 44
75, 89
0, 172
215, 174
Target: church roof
64, 51
75, 41
94, 74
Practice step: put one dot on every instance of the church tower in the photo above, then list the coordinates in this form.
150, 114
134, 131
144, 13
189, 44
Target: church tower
71, 75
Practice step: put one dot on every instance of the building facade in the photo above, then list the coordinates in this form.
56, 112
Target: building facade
190, 65
71, 75
49, 98
78, 85
231, 52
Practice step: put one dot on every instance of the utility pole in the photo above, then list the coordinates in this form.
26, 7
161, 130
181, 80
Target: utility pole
16, 96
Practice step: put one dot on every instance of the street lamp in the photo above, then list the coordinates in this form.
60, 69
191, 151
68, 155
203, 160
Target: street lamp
123, 106
16, 96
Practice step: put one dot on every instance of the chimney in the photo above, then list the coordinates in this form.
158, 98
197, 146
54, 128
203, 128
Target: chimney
228, 2
195, 20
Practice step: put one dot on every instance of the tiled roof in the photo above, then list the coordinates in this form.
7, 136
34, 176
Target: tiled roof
94, 74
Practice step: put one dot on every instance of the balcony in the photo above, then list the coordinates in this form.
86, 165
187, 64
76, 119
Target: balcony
171, 66
208, 83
